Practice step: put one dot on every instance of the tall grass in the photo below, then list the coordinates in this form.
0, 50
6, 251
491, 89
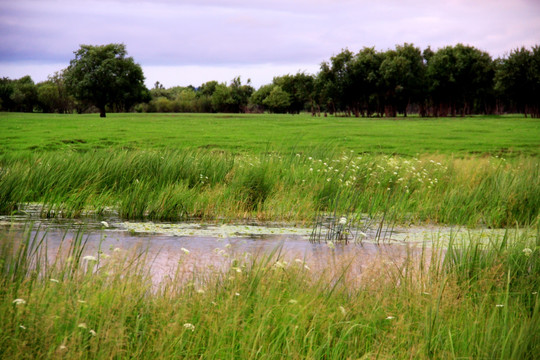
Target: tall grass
467, 302
175, 185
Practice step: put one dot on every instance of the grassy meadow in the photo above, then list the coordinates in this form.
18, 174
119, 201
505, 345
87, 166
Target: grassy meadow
480, 171
255, 134
476, 299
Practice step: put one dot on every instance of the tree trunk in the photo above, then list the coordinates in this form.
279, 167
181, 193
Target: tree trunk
102, 112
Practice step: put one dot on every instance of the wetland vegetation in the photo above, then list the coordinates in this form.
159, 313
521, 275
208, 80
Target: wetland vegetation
452, 299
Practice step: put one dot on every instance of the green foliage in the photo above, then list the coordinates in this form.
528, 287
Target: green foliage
22, 94
52, 95
104, 76
457, 77
518, 80
300, 89
403, 74
277, 100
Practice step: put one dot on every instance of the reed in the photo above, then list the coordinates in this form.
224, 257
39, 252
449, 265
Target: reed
180, 184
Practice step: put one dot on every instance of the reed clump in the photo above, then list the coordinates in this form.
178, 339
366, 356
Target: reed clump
180, 184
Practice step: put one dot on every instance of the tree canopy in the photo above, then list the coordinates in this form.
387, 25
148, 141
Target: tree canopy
453, 80
105, 76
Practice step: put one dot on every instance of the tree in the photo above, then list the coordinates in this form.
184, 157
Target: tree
402, 72
24, 94
6, 90
518, 80
52, 95
278, 100
365, 77
104, 76
459, 76
300, 89
222, 100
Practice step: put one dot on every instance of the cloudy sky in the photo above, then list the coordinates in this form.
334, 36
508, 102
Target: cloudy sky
182, 42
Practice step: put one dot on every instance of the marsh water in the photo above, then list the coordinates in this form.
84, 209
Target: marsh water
198, 246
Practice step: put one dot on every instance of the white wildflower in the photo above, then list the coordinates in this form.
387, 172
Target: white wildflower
189, 326
54, 280
293, 301
82, 326
19, 301
390, 317
92, 332
527, 252
499, 305
105, 224
343, 311
89, 258
343, 220
186, 251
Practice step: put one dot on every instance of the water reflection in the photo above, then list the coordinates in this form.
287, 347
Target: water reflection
168, 254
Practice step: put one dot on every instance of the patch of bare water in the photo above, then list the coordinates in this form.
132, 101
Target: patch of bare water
195, 248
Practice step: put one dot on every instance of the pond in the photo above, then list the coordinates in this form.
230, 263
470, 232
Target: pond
199, 247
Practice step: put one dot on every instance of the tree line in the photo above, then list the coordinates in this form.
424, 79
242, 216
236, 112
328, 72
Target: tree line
454, 80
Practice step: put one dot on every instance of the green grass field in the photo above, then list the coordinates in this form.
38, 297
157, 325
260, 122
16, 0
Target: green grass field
481, 171
254, 134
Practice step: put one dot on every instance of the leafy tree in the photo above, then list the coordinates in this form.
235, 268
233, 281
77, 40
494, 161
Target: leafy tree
240, 94
222, 100
24, 95
258, 97
518, 80
402, 72
207, 89
104, 76
7, 87
52, 95
300, 89
365, 80
458, 77
278, 100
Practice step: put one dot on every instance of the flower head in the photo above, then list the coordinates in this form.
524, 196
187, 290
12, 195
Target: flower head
189, 326
342, 220
89, 258
527, 252
19, 301
186, 251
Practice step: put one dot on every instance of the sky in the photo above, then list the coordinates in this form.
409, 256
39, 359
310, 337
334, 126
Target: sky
180, 43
